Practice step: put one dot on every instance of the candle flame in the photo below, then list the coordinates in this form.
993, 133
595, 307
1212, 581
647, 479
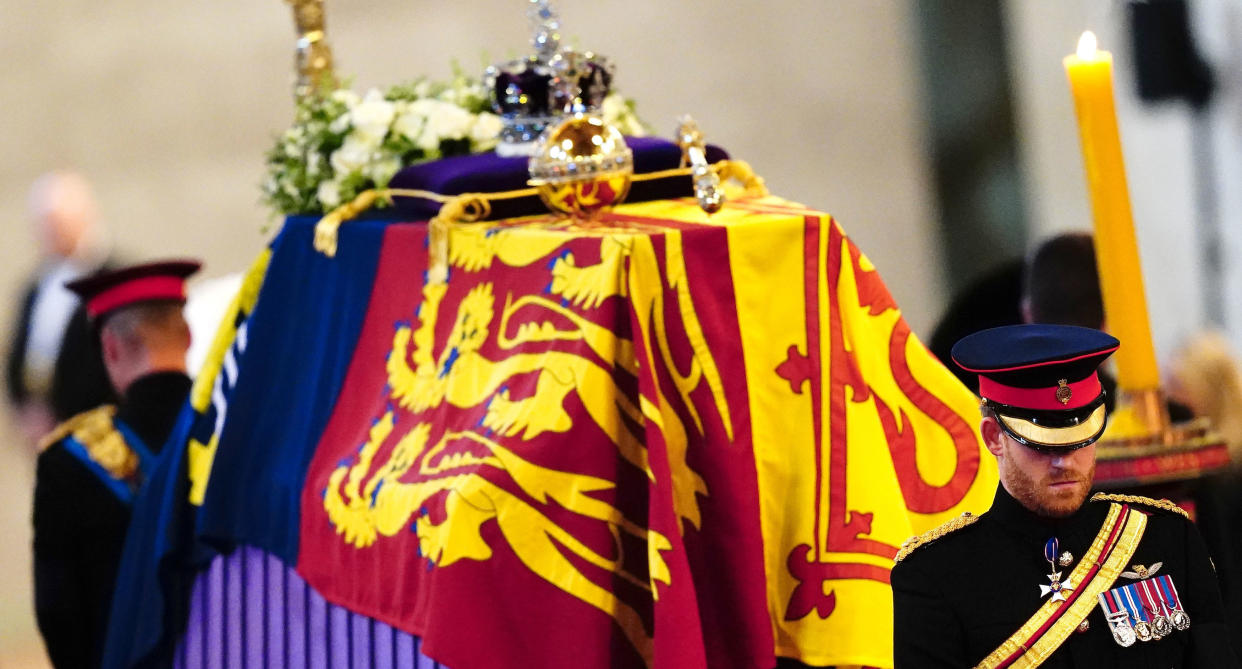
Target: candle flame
1086, 45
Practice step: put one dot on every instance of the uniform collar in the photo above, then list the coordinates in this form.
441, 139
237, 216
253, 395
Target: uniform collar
151, 405
1076, 529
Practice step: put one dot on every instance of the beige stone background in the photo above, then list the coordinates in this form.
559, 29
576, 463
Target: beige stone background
168, 107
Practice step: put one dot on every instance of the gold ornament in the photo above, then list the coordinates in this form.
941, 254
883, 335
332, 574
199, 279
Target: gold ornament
582, 167
1064, 392
313, 56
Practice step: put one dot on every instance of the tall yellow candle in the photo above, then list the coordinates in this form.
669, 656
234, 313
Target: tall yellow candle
1121, 277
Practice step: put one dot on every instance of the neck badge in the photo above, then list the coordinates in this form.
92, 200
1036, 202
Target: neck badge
1059, 587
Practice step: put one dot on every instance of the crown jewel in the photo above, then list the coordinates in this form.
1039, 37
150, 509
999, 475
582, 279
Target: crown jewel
534, 92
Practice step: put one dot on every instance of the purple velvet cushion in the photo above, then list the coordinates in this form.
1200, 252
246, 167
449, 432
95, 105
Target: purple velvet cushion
489, 173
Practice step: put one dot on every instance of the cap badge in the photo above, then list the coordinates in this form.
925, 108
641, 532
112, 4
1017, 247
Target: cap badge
1063, 392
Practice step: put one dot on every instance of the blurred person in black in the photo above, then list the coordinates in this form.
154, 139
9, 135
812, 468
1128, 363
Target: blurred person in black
92, 466
991, 300
53, 370
1061, 286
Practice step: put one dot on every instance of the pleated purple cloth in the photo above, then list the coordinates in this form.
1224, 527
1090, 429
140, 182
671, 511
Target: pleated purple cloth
251, 611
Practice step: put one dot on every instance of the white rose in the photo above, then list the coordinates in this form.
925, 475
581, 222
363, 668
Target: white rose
613, 108
446, 121
346, 97
381, 171
314, 163
633, 127
409, 123
486, 130
329, 194
450, 95
353, 155
423, 88
339, 125
373, 115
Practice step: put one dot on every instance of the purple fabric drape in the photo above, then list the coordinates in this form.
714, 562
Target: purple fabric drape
249, 610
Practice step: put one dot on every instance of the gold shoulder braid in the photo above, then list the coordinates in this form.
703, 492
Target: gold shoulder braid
1162, 504
103, 443
83, 419
953, 525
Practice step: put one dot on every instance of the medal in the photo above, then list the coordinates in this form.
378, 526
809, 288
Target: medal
1161, 626
1168, 595
1059, 587
1142, 627
1118, 619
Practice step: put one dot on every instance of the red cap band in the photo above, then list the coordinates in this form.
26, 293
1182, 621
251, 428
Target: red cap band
1080, 394
137, 290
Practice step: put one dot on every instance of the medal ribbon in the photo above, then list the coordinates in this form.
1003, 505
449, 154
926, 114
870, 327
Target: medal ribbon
1050, 551
1112, 605
1134, 604
1169, 593
1151, 599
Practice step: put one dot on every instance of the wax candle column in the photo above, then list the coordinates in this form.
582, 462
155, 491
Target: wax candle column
1121, 278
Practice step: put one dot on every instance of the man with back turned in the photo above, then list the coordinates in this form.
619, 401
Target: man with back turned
92, 466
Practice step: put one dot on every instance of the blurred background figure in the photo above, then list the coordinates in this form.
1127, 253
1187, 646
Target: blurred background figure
1204, 376
990, 301
1061, 286
53, 369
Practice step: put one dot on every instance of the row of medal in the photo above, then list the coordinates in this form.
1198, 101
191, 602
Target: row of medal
1144, 611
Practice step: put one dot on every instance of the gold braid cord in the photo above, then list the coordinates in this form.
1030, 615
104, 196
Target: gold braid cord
474, 207
1023, 650
953, 525
1162, 504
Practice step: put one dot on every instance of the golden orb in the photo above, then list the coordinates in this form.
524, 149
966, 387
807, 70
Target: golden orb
582, 166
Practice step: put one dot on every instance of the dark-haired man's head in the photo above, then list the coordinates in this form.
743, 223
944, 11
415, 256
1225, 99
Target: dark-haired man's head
1061, 285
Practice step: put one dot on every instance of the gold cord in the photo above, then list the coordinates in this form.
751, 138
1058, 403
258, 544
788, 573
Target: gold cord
474, 207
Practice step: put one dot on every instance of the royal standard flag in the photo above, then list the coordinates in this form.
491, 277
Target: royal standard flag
658, 438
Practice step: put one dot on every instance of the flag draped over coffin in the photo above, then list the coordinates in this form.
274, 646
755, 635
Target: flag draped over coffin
659, 439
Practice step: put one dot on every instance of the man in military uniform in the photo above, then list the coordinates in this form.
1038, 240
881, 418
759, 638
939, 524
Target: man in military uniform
1048, 577
92, 466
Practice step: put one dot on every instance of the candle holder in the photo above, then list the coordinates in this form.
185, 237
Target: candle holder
1142, 447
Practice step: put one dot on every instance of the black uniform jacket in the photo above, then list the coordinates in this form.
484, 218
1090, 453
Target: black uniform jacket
959, 597
80, 520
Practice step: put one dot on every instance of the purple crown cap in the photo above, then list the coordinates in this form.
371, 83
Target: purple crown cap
534, 92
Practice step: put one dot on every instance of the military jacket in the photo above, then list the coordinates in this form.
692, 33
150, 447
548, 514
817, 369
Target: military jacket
88, 473
958, 597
